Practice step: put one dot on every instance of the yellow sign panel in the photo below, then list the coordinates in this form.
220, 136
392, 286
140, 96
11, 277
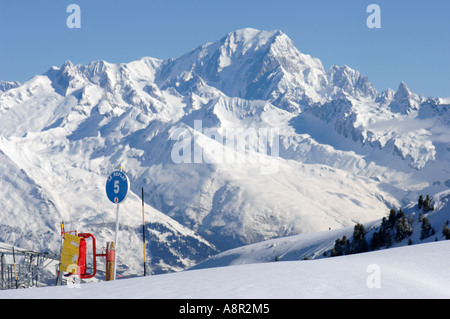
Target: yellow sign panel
70, 252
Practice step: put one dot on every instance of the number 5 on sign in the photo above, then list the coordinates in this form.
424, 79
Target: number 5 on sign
117, 187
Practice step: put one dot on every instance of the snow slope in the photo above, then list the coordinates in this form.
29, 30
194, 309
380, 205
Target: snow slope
417, 272
314, 245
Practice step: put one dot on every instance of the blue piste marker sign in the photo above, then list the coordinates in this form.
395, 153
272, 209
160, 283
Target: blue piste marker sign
117, 187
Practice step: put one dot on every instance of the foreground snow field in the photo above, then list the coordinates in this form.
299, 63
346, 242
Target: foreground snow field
419, 271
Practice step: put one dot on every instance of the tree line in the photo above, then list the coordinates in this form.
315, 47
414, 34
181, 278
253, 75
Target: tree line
394, 228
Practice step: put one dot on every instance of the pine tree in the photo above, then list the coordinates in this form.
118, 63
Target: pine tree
359, 243
341, 247
376, 241
427, 230
392, 214
427, 205
400, 214
386, 235
446, 231
403, 228
420, 202
383, 236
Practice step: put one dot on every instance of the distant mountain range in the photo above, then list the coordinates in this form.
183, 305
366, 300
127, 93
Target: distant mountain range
344, 153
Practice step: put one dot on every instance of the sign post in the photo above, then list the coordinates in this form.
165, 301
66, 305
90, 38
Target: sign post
143, 229
117, 187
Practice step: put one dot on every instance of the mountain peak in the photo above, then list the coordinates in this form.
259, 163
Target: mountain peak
345, 80
386, 96
403, 90
404, 100
245, 41
67, 66
251, 35
251, 64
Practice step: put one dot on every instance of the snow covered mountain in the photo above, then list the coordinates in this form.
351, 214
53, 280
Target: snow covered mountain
338, 152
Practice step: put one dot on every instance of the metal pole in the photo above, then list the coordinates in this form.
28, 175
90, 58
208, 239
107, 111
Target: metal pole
110, 258
115, 243
2, 271
143, 230
15, 270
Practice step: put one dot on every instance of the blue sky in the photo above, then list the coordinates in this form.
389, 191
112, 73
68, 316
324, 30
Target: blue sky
413, 44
